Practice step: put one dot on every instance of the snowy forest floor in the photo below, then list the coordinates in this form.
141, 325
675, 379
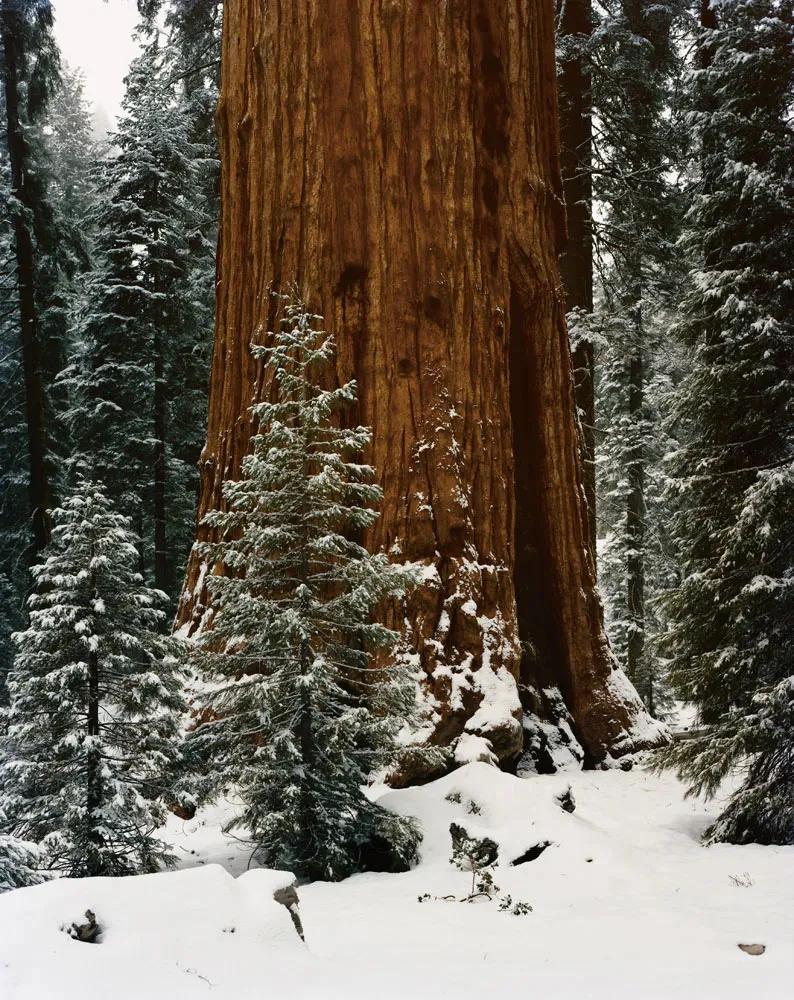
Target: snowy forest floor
626, 904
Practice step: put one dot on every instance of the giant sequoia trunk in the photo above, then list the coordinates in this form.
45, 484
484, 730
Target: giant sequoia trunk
398, 162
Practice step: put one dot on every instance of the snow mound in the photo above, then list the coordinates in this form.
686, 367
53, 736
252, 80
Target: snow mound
626, 901
175, 935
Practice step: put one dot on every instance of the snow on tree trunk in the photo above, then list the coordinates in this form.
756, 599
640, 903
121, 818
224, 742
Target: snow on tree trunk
400, 165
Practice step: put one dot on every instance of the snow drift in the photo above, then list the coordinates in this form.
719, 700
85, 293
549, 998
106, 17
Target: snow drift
627, 904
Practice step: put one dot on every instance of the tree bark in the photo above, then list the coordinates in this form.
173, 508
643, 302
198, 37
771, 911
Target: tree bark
93, 769
576, 258
635, 507
39, 483
398, 162
162, 575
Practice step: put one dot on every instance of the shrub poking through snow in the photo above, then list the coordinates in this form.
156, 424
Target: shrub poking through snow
517, 907
470, 853
303, 704
478, 855
92, 746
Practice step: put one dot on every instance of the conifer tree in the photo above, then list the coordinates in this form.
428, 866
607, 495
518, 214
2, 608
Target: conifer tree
91, 745
29, 61
14, 507
635, 73
193, 64
64, 155
18, 862
730, 635
302, 703
135, 380
59, 153
14, 454
11, 620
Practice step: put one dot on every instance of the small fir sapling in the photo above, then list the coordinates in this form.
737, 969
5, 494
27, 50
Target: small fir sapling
478, 855
92, 743
302, 702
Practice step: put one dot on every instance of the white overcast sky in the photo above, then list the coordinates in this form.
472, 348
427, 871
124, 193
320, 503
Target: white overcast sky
96, 36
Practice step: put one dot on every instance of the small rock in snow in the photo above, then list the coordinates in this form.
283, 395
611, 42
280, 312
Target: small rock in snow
89, 931
288, 897
753, 949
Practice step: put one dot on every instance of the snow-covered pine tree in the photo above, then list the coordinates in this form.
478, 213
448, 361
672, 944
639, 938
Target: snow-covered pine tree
302, 703
14, 507
59, 150
92, 740
193, 62
11, 620
635, 68
636, 441
143, 332
732, 618
18, 862
29, 71
64, 155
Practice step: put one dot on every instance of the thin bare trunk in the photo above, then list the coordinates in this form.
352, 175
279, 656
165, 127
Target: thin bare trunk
162, 575
635, 511
39, 483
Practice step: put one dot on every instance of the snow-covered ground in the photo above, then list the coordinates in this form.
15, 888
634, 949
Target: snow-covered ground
626, 904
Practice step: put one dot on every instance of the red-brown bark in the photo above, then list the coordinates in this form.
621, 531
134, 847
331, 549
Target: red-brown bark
398, 162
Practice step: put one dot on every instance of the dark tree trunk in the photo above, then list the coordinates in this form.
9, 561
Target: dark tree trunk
162, 574
635, 510
93, 766
708, 19
399, 162
139, 533
39, 483
576, 258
